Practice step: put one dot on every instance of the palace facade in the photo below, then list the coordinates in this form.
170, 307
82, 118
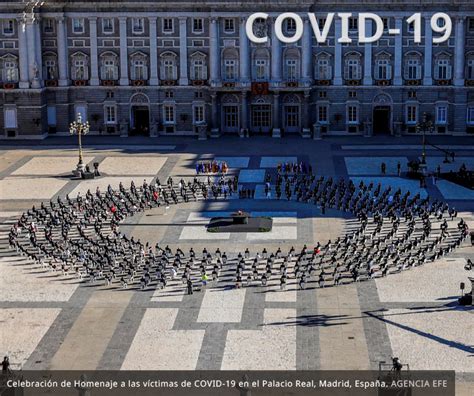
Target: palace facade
184, 68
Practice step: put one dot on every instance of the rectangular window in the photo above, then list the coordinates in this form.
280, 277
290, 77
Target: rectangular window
323, 94
138, 25
413, 70
198, 114
78, 26
443, 70
8, 27
323, 70
230, 69
110, 114
229, 25
81, 110
107, 25
471, 24
290, 25
51, 112
470, 115
168, 25
168, 115
260, 69
353, 23
386, 23
48, 25
323, 114
198, 25
441, 115
352, 116
291, 69
198, 43
231, 117
470, 69
412, 114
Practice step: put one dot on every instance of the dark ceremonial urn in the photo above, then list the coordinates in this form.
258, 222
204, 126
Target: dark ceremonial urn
240, 221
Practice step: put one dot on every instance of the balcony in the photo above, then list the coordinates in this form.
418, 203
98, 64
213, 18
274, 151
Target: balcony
80, 83
198, 83
323, 82
442, 82
138, 83
108, 83
228, 84
383, 82
259, 88
51, 83
169, 83
10, 85
353, 82
291, 82
413, 82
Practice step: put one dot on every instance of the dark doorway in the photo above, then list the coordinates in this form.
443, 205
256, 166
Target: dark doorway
381, 120
140, 121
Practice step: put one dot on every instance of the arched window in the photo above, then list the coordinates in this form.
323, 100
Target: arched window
169, 69
412, 69
198, 66
383, 66
139, 67
322, 67
261, 64
352, 66
230, 64
443, 70
79, 67
9, 68
109, 66
292, 64
50, 66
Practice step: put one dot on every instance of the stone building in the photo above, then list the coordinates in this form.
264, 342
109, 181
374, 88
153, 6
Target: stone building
174, 68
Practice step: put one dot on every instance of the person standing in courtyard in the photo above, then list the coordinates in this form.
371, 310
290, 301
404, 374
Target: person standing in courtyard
190, 286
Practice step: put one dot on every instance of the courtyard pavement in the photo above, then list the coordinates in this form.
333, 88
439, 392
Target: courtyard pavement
50, 321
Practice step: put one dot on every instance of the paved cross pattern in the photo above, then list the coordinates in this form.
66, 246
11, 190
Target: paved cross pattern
222, 327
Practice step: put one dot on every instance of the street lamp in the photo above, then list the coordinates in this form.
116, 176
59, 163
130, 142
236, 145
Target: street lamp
79, 128
424, 126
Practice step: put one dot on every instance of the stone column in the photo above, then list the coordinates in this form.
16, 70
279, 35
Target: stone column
337, 53
244, 54
245, 109
123, 52
428, 55
397, 75
214, 52
306, 131
276, 58
62, 52
459, 52
23, 53
368, 55
214, 115
31, 40
94, 81
183, 52
276, 133
38, 46
307, 53
153, 53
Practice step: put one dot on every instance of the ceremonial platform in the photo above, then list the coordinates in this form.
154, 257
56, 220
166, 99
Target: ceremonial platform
240, 222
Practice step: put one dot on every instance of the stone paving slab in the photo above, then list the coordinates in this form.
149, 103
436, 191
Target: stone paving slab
21, 331
12, 188
454, 191
277, 232
24, 281
431, 338
222, 306
395, 182
103, 182
371, 165
132, 165
50, 165
414, 285
272, 162
235, 162
157, 347
272, 347
251, 176
200, 233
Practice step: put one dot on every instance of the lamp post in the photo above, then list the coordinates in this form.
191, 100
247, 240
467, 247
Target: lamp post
79, 128
424, 126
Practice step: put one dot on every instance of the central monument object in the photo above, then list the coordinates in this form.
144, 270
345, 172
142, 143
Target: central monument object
240, 221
